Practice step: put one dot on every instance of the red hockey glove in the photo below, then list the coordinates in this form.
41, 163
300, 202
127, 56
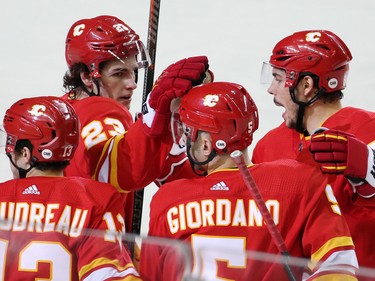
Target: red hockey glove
342, 153
174, 82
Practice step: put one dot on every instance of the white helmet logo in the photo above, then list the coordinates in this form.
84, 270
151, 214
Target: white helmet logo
332, 83
46, 154
120, 27
313, 36
210, 100
37, 110
78, 29
220, 144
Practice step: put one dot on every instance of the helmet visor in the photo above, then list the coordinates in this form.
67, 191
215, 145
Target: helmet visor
136, 48
266, 76
177, 129
276, 76
3, 139
7, 142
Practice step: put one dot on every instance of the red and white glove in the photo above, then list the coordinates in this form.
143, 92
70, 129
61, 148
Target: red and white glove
176, 166
342, 153
174, 82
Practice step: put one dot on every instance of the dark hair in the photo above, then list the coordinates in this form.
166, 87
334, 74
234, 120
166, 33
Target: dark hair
43, 166
332, 97
72, 79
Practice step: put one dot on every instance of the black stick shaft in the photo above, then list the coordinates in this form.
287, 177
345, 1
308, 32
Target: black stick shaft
153, 25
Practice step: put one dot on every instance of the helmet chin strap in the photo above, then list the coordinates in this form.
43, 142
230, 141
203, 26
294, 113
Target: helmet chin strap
194, 163
91, 92
302, 106
96, 82
22, 172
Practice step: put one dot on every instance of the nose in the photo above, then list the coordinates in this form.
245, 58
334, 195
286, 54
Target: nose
270, 89
131, 82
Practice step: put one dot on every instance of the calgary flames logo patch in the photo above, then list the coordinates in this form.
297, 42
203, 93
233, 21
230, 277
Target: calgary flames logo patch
37, 110
210, 100
313, 36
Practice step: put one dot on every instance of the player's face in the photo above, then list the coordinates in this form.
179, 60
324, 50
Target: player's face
118, 80
281, 97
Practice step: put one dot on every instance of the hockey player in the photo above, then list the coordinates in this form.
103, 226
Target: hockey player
217, 215
309, 71
54, 227
104, 55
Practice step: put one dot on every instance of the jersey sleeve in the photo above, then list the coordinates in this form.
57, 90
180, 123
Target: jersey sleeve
132, 160
176, 166
326, 236
100, 119
103, 252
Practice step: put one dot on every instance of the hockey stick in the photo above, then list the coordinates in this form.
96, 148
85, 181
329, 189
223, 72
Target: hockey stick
238, 158
153, 24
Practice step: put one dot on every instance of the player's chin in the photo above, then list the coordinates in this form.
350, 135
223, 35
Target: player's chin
125, 102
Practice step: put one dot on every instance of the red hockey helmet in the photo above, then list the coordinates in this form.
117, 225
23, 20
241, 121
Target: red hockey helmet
92, 41
319, 52
225, 110
49, 123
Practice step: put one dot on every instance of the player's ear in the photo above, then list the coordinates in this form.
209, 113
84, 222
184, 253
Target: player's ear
206, 144
23, 158
307, 85
86, 79
26, 154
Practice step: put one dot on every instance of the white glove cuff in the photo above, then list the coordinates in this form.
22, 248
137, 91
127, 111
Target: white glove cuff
370, 175
148, 113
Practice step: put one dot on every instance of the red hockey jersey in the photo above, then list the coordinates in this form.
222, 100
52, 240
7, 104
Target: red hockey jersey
57, 228
108, 153
283, 142
121, 161
279, 143
100, 119
218, 213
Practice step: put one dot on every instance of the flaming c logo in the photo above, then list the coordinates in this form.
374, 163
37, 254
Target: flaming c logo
313, 36
78, 29
37, 110
210, 100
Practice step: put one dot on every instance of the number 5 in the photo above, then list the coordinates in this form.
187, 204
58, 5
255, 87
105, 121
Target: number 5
207, 250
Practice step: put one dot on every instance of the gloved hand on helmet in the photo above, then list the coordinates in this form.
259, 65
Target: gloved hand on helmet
174, 82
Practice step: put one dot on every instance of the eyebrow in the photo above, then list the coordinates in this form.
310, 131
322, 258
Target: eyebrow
118, 69
274, 74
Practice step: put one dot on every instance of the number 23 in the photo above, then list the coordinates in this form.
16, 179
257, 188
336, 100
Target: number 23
94, 132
